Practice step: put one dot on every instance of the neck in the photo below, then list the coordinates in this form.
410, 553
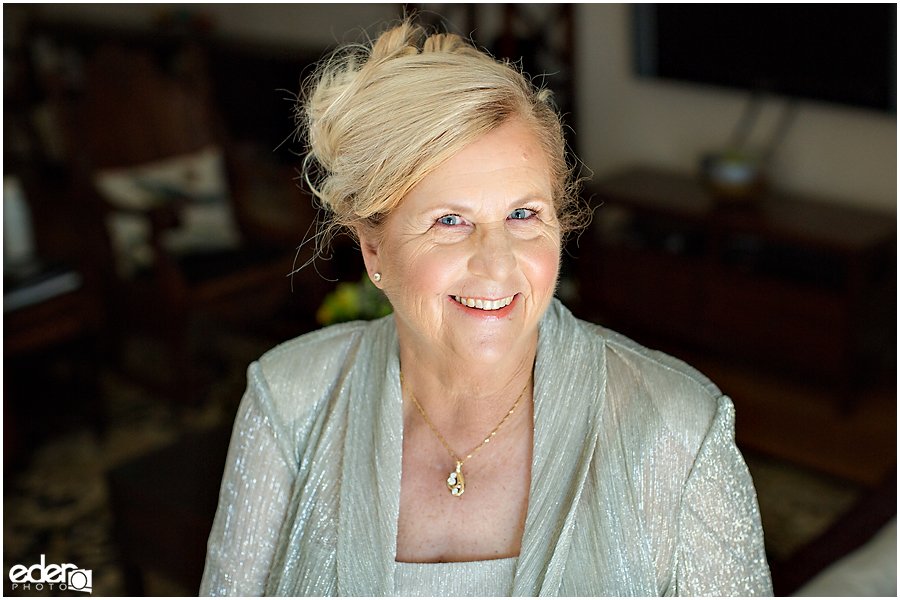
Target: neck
460, 394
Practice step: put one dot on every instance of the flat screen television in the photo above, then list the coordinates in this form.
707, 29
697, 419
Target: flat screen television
843, 53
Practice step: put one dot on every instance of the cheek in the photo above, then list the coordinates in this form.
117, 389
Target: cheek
424, 273
542, 264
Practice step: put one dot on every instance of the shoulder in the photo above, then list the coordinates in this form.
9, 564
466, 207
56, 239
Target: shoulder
655, 366
646, 384
665, 390
322, 348
685, 400
297, 376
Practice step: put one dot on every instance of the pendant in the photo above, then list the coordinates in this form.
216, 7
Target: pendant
456, 482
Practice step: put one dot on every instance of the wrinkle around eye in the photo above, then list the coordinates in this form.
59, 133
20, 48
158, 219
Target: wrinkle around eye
443, 234
532, 228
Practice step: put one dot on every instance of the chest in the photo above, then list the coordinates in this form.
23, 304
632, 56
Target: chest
486, 522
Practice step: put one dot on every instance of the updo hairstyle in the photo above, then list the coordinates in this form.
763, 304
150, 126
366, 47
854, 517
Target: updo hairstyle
379, 119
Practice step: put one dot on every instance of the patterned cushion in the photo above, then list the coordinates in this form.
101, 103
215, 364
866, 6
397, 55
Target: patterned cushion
207, 222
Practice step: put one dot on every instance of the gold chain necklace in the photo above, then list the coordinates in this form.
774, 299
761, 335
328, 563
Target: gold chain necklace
456, 482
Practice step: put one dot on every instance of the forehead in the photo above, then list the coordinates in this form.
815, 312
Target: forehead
511, 144
504, 163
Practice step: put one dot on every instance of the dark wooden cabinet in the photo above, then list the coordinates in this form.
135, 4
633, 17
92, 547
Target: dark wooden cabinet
788, 282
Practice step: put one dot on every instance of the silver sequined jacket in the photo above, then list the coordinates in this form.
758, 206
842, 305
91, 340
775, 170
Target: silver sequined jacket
637, 487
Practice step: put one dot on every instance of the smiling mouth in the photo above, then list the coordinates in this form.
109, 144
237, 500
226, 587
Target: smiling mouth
484, 304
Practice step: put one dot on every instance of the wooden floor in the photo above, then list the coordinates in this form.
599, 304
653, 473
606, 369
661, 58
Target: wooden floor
804, 423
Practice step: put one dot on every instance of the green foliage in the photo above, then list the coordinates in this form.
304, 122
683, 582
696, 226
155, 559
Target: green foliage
353, 301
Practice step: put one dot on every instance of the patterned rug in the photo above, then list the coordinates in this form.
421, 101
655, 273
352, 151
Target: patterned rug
58, 504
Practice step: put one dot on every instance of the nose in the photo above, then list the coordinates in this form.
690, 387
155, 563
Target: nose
493, 254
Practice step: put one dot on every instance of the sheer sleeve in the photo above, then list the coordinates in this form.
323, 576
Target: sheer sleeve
253, 500
720, 542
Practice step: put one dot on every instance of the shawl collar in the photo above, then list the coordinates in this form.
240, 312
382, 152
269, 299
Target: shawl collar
566, 422
371, 470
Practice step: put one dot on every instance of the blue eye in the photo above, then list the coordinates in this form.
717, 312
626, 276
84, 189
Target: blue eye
450, 220
521, 213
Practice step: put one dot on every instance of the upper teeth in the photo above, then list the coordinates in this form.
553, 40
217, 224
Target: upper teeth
484, 304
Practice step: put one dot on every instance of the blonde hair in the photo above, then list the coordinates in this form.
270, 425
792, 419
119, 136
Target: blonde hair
379, 118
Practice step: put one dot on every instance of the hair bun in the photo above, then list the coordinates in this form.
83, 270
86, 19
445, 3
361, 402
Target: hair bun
402, 40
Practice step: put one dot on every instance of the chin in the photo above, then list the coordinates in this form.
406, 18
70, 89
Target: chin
494, 349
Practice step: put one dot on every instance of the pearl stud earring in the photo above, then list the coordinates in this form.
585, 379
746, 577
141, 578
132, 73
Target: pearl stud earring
376, 277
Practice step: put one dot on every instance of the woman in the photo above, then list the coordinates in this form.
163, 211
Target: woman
481, 440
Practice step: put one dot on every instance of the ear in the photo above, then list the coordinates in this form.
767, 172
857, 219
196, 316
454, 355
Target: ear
370, 248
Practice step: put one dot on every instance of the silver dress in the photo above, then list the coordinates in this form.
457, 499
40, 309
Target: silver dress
637, 488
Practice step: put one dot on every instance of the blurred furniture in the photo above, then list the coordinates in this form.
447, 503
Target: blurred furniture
154, 133
51, 351
792, 283
53, 325
853, 531
163, 504
46, 310
870, 570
